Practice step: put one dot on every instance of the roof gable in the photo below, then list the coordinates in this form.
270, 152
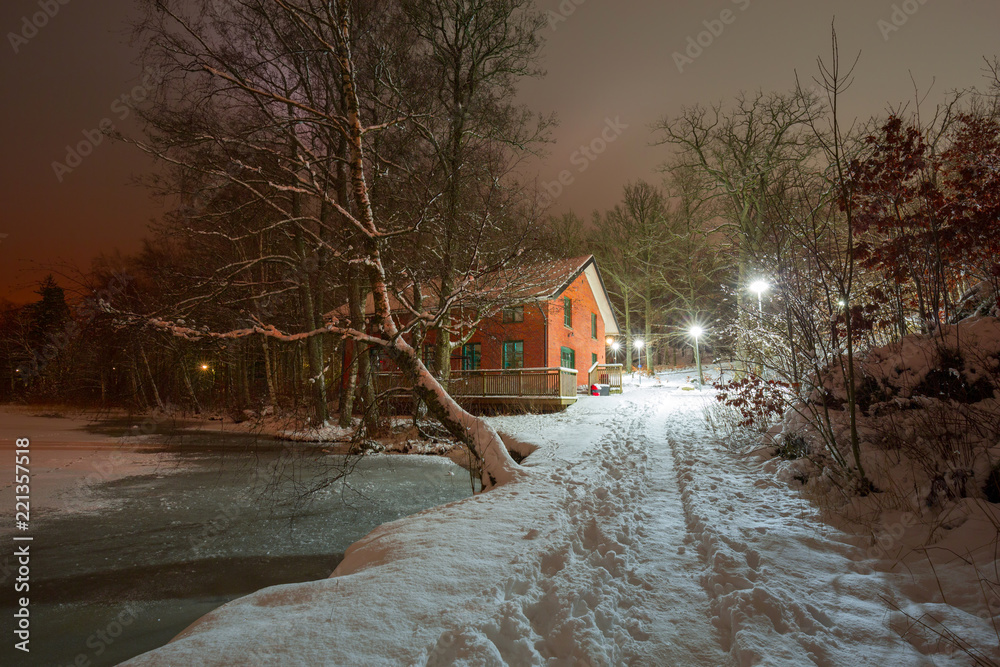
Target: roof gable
543, 281
587, 267
601, 297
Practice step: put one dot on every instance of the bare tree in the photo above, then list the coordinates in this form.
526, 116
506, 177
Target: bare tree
742, 152
279, 102
835, 142
475, 53
629, 243
690, 268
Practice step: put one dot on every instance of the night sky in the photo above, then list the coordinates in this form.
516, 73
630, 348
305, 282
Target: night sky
609, 64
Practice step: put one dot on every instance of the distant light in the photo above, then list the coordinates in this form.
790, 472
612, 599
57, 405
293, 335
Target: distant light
204, 367
638, 343
697, 331
610, 340
841, 303
759, 286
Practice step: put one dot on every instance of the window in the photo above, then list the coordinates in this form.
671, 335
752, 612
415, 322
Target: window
428, 356
513, 314
593, 326
472, 355
513, 354
567, 357
568, 312
593, 358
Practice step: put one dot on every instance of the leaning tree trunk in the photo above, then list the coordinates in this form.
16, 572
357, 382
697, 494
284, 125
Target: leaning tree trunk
483, 441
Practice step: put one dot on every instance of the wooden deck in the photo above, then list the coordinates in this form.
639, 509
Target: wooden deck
528, 388
609, 374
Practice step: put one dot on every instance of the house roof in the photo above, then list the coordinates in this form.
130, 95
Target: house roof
541, 281
551, 278
588, 267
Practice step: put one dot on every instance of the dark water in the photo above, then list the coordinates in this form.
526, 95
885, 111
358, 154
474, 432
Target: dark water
221, 516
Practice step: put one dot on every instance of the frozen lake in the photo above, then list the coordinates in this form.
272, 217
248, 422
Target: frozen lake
135, 537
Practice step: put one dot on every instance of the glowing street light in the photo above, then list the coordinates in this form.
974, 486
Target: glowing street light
696, 332
638, 350
614, 349
204, 367
759, 286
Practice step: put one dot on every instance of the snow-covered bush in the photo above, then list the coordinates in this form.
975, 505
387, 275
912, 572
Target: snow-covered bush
792, 446
928, 417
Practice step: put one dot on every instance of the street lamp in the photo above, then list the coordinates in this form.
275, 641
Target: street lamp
614, 349
696, 332
759, 286
638, 348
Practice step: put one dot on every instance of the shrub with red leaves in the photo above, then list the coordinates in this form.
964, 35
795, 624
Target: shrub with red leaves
760, 402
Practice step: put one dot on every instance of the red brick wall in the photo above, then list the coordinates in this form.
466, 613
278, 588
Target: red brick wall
541, 351
579, 337
493, 332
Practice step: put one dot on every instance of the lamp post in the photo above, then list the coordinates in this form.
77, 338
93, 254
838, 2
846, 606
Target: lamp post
638, 350
696, 332
206, 368
614, 350
760, 286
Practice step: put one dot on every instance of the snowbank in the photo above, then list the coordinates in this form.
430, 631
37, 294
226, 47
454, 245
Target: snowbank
929, 429
633, 537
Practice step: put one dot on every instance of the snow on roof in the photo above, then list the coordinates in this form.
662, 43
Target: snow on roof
538, 281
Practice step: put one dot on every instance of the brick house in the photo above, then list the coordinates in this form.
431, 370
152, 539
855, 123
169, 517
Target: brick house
562, 322
557, 319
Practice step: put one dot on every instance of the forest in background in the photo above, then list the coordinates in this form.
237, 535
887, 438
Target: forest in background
245, 296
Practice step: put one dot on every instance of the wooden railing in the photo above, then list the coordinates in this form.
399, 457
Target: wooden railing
505, 383
609, 374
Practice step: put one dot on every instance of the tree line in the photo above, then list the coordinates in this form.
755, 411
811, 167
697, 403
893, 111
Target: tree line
343, 179
888, 226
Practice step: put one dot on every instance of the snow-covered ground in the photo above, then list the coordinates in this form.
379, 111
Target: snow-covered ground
636, 538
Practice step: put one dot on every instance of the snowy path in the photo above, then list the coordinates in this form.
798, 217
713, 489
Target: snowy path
612, 587
785, 588
637, 539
